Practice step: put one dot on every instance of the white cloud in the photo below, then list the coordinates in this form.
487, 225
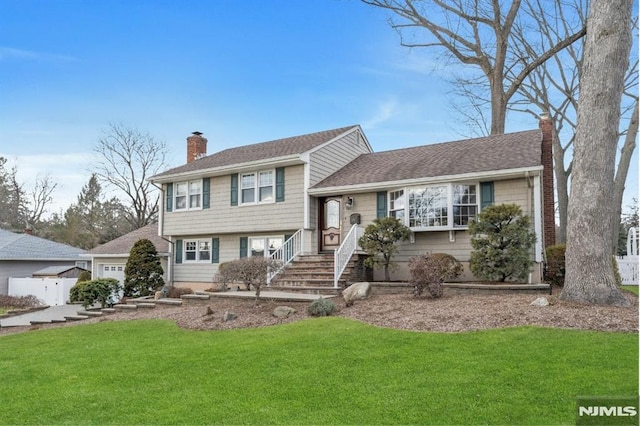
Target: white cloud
7, 53
384, 111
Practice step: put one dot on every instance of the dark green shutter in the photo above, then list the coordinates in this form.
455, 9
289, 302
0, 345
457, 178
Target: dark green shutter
215, 250
169, 197
206, 192
279, 184
244, 244
178, 251
234, 189
381, 204
486, 194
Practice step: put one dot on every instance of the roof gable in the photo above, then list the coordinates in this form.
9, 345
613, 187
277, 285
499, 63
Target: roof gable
28, 247
295, 145
491, 153
123, 245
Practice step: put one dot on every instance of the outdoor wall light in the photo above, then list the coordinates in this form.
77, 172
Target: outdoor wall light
349, 204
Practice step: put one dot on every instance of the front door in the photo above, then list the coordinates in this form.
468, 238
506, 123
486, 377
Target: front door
330, 239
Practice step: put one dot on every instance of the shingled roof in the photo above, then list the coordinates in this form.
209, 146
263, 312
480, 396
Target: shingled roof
498, 152
28, 247
259, 151
123, 245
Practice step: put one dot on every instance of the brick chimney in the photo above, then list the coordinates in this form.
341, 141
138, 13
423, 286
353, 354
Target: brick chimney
196, 146
548, 197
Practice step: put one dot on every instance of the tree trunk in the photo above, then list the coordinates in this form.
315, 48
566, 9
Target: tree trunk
621, 174
589, 261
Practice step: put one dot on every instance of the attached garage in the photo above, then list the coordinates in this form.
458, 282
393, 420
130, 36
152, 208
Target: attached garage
112, 270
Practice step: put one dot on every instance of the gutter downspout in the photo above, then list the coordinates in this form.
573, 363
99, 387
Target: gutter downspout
161, 233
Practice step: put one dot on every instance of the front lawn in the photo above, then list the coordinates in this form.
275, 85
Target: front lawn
631, 288
318, 371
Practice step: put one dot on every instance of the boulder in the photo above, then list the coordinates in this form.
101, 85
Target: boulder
356, 291
283, 311
158, 295
540, 301
229, 316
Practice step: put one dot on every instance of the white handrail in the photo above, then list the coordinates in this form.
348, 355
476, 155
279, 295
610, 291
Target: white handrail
342, 255
285, 254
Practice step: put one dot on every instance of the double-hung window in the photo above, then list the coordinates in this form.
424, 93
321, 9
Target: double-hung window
257, 187
435, 207
197, 250
188, 195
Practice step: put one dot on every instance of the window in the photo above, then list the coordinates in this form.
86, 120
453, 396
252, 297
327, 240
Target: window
397, 204
428, 207
257, 187
264, 246
188, 195
197, 251
465, 204
436, 207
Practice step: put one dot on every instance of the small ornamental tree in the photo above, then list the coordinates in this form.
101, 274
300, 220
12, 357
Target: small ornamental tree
502, 240
143, 272
380, 241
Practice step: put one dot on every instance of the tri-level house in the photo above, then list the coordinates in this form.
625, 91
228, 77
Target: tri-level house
314, 194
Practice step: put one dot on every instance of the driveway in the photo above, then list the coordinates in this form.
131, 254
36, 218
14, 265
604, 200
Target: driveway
52, 313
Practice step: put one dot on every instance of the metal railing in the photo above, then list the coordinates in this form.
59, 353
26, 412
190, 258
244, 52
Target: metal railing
285, 255
342, 255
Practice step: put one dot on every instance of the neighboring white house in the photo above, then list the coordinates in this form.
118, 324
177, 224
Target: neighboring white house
249, 200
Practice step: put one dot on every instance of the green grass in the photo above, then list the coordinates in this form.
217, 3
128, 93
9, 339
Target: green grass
631, 288
318, 371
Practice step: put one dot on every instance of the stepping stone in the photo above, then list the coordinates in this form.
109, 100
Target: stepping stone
75, 317
90, 313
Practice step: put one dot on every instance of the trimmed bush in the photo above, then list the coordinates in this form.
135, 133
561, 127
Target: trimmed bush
143, 272
429, 271
102, 290
555, 268
252, 271
321, 308
380, 241
502, 241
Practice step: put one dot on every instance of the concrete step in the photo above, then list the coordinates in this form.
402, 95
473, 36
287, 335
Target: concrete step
305, 289
126, 307
76, 317
90, 313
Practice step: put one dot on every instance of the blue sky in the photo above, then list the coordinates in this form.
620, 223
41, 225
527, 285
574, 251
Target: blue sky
239, 71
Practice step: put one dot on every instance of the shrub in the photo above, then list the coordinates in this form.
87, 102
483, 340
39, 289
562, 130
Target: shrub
103, 290
176, 292
380, 241
252, 271
20, 302
321, 308
428, 272
502, 240
143, 272
555, 269
84, 276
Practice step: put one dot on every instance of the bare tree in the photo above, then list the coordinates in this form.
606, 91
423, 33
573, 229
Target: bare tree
476, 33
589, 261
128, 158
554, 87
40, 197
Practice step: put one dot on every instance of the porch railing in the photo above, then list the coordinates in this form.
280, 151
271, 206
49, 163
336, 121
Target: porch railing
342, 255
285, 255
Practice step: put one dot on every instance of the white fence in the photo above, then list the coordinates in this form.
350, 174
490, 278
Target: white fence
52, 291
628, 268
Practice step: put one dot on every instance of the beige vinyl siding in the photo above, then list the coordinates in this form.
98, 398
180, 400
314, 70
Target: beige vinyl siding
336, 155
187, 273
514, 191
223, 218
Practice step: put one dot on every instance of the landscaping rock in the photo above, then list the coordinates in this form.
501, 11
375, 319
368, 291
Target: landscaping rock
158, 295
356, 291
283, 311
228, 316
540, 301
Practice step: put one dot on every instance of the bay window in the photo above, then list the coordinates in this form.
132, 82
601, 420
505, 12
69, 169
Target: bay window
435, 207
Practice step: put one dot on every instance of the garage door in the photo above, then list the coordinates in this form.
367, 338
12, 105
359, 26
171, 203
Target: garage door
115, 270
